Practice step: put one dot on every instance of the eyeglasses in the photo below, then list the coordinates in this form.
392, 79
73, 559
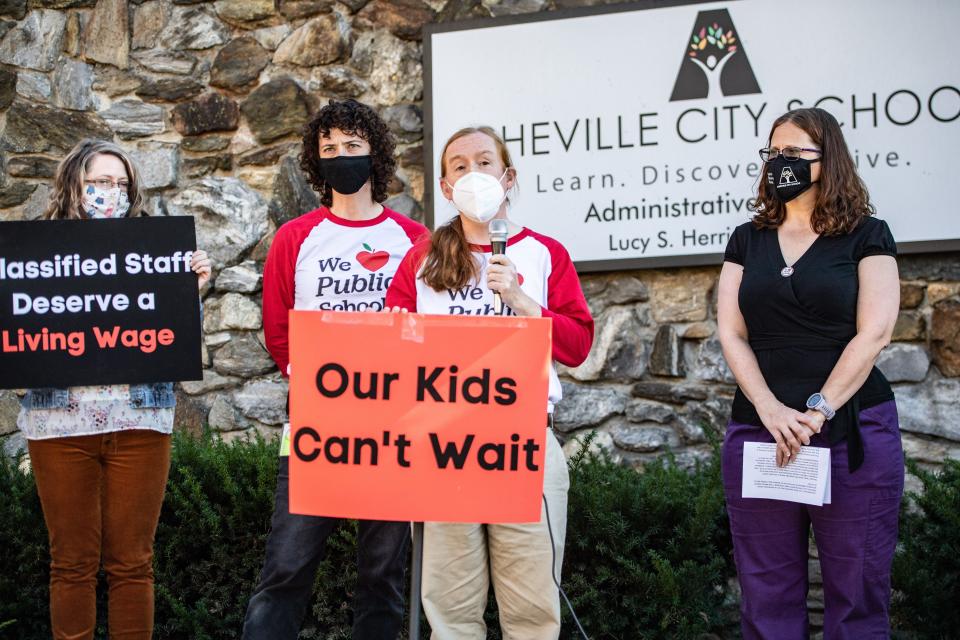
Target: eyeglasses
790, 154
107, 183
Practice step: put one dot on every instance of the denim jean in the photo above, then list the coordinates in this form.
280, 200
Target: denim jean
153, 395
295, 548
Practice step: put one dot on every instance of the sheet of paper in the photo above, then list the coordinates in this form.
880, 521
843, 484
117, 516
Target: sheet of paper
806, 479
826, 496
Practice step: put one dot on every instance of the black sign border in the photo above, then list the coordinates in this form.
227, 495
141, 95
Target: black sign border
142, 226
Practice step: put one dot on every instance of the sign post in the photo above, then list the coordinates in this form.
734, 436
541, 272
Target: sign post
416, 578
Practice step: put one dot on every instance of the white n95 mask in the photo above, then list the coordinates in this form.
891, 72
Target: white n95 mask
478, 195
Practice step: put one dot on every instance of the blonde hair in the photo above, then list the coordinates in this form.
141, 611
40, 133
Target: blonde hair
68, 184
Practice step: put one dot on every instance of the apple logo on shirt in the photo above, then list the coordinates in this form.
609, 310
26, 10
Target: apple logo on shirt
372, 260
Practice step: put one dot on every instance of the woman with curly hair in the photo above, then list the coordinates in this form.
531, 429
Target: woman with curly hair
100, 453
340, 257
808, 297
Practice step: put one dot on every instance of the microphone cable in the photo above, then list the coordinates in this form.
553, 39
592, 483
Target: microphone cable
553, 569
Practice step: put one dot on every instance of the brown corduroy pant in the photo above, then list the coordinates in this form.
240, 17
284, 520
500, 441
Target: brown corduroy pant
101, 498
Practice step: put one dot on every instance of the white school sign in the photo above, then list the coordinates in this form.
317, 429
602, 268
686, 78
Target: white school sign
635, 131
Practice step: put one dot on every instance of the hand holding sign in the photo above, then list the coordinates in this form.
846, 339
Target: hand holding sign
412, 417
202, 265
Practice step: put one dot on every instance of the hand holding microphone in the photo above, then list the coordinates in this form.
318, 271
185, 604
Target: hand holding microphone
498, 240
502, 277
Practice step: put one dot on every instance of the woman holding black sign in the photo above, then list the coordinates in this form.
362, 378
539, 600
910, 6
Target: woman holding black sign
100, 454
456, 273
808, 296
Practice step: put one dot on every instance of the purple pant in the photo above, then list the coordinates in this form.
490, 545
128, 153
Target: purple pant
856, 536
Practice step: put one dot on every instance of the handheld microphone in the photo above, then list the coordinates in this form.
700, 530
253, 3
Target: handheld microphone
498, 240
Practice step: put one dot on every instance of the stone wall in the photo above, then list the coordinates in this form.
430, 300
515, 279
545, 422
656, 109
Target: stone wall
210, 97
656, 378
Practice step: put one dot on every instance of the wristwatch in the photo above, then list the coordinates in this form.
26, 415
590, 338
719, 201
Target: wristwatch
818, 403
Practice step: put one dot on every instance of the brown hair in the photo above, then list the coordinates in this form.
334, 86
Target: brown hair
352, 118
450, 263
67, 194
843, 200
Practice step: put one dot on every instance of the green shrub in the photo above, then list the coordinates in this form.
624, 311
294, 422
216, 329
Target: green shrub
211, 538
648, 555
926, 569
24, 556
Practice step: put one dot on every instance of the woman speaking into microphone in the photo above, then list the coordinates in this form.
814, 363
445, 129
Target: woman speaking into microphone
808, 296
454, 273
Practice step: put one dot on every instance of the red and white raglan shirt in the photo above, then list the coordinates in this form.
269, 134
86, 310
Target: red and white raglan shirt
324, 262
545, 273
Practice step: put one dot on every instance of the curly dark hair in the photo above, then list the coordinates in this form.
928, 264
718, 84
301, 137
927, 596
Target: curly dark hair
353, 118
843, 200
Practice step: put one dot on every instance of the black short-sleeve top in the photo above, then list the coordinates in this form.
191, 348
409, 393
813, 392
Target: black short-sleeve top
800, 319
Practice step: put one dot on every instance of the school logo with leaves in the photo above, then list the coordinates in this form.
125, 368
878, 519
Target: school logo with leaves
715, 62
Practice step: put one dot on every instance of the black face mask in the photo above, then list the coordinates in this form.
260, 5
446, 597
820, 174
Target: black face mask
346, 174
788, 179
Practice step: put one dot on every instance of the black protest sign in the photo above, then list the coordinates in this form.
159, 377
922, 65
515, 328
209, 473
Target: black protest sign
86, 302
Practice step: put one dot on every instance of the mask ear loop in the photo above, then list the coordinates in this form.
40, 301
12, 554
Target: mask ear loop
503, 175
450, 200
506, 192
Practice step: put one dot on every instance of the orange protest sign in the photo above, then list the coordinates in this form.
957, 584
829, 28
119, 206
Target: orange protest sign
418, 417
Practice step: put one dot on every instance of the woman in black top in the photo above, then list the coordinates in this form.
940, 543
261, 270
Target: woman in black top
808, 297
